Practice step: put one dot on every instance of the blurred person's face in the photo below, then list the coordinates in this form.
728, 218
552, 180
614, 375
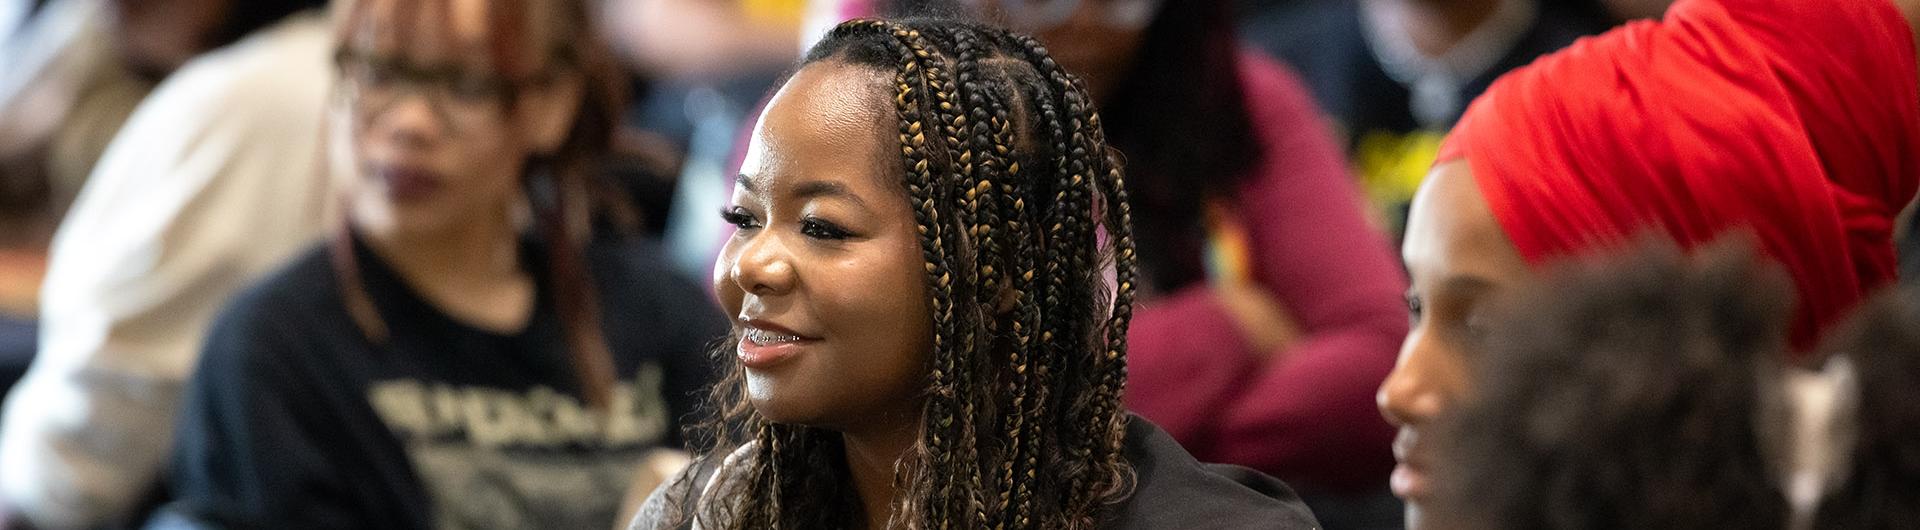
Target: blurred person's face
157, 36
1093, 39
440, 136
1460, 261
824, 277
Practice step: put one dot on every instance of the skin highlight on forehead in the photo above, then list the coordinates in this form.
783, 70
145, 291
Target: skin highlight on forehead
832, 106
1452, 234
442, 31
469, 20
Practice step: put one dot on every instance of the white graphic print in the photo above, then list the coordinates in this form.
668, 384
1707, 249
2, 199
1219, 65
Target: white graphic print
492, 458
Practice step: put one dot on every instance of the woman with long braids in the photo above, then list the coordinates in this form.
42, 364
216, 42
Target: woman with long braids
463, 353
931, 285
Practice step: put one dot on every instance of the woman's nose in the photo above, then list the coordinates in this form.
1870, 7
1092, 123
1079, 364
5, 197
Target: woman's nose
410, 120
1416, 391
764, 267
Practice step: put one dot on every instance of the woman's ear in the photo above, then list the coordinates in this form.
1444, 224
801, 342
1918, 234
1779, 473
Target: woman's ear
548, 110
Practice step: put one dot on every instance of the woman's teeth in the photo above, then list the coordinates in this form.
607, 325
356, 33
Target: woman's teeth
764, 337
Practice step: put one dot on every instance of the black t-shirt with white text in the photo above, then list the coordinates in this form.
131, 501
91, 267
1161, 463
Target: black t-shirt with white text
296, 420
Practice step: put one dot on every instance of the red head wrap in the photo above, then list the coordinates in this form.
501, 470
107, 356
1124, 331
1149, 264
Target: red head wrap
1793, 120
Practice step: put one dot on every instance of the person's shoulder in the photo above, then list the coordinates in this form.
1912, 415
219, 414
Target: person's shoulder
1173, 490
258, 329
306, 277
301, 289
1262, 76
675, 504
1278, 99
256, 105
667, 507
263, 73
296, 46
1297, 138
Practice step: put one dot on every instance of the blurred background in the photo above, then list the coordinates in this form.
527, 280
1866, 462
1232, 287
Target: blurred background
1377, 81
1389, 76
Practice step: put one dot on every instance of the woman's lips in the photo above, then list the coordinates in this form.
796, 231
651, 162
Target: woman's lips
764, 345
410, 184
1410, 482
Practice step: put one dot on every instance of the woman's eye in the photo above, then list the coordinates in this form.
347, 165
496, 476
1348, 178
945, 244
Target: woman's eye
739, 218
1414, 307
820, 229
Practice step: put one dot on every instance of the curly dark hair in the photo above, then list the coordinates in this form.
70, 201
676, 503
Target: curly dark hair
1626, 393
1012, 185
1882, 480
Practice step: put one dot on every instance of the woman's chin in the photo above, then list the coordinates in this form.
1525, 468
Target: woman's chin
774, 413
778, 407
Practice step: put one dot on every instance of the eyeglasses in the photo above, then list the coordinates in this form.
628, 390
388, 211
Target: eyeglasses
1128, 14
460, 98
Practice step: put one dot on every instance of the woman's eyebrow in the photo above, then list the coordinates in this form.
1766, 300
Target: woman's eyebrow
811, 189
825, 188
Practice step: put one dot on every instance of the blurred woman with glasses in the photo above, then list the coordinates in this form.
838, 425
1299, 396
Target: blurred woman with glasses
463, 352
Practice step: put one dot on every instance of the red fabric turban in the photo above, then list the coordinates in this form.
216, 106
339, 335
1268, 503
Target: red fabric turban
1792, 120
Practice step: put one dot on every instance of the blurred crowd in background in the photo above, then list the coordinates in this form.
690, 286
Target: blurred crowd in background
157, 156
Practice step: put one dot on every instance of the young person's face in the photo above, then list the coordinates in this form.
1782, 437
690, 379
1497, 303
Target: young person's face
435, 142
824, 277
1460, 261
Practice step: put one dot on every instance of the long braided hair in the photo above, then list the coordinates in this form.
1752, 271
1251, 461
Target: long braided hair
1184, 82
1020, 207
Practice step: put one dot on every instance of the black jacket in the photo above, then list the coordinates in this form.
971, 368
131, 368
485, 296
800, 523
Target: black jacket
1172, 490
1177, 491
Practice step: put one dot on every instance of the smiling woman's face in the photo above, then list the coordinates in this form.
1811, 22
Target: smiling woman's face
1460, 261
824, 277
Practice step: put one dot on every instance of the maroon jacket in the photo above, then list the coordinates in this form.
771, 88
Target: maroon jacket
1307, 418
